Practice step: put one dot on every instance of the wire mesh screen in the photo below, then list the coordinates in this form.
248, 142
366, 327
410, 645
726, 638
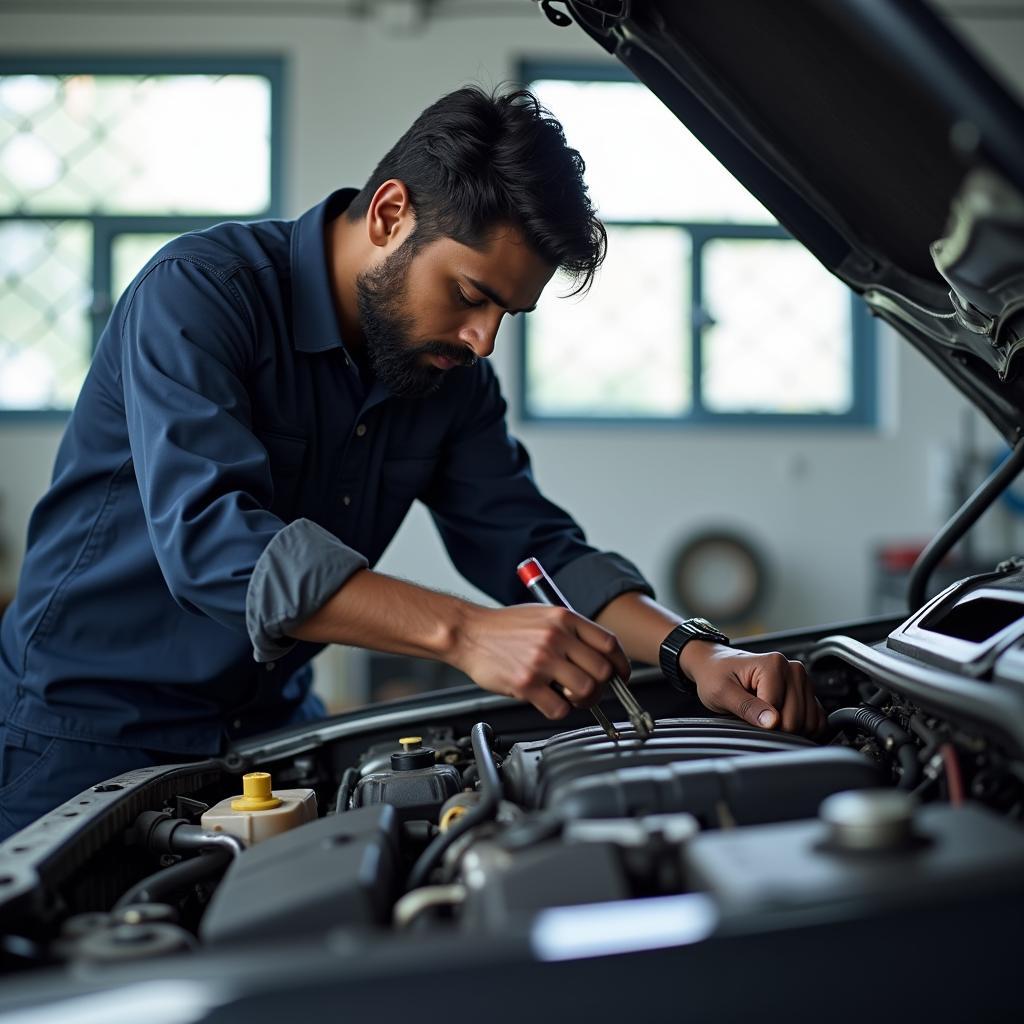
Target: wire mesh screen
134, 144
620, 350
101, 158
705, 310
44, 312
778, 338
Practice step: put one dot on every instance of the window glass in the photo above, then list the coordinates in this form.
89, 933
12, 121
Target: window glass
705, 307
616, 351
778, 333
97, 172
134, 143
44, 312
642, 164
130, 254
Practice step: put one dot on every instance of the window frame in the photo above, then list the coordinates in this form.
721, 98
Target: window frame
863, 411
107, 227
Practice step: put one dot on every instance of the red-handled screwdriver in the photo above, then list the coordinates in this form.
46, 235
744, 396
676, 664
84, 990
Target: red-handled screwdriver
543, 589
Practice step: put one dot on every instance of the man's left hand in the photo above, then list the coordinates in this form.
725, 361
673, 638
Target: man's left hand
766, 690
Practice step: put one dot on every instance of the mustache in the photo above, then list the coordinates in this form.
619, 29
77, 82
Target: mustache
456, 353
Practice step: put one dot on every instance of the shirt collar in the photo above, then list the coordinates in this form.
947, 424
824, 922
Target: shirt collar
314, 323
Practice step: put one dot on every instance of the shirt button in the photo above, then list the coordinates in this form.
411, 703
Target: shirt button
347, 500
360, 430
236, 724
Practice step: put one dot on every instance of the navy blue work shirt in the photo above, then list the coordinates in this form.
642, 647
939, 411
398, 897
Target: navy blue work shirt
226, 469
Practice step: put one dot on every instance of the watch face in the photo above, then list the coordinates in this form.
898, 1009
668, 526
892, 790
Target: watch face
702, 629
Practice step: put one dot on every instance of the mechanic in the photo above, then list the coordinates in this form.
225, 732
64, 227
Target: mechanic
263, 406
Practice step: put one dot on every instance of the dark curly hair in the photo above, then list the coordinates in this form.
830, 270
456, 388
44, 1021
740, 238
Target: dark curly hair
473, 161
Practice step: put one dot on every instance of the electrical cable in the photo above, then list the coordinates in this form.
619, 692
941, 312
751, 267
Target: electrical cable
485, 810
954, 776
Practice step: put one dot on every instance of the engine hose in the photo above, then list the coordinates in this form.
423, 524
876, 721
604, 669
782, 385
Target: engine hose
348, 781
486, 810
158, 887
158, 830
872, 721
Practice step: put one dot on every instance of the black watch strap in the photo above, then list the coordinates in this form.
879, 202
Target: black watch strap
673, 644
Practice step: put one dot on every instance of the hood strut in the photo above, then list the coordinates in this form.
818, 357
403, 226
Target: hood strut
963, 519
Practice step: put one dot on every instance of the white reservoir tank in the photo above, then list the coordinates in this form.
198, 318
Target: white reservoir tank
260, 812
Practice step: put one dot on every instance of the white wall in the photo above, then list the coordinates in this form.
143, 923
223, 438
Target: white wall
817, 503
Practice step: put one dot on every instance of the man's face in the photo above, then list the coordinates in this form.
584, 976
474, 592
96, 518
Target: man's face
426, 311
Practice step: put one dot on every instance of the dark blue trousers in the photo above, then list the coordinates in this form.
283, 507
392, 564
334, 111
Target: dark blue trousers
38, 773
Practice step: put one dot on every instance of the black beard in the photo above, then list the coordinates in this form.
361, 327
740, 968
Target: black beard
387, 328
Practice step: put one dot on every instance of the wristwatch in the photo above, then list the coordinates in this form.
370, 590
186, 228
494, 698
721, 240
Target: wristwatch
673, 644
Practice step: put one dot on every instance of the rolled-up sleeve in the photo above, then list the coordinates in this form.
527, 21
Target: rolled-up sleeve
203, 475
491, 515
299, 570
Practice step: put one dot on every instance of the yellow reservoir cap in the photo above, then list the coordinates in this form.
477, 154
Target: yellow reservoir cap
408, 742
257, 793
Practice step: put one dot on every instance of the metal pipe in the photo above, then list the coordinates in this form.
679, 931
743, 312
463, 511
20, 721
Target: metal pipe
963, 519
194, 839
414, 903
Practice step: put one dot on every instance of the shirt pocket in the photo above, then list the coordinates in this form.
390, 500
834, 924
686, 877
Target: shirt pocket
287, 458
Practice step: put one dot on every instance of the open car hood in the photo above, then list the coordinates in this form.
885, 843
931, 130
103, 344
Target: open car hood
877, 140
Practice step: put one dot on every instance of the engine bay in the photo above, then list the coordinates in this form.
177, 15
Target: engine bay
466, 820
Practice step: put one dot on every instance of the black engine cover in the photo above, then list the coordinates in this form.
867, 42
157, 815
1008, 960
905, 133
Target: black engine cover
340, 870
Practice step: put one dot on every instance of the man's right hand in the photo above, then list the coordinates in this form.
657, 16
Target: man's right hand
522, 650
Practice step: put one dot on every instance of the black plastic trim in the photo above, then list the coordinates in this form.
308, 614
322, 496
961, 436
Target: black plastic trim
995, 710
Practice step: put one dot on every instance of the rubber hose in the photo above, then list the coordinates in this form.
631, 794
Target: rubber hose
158, 830
348, 781
486, 810
872, 721
158, 887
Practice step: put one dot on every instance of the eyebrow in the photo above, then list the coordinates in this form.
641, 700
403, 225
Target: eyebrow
494, 296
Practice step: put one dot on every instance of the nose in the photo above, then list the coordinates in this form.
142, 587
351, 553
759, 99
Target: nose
479, 334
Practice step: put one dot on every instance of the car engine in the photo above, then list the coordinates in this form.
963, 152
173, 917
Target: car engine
464, 818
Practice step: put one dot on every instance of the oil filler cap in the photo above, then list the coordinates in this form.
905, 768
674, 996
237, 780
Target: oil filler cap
412, 755
869, 819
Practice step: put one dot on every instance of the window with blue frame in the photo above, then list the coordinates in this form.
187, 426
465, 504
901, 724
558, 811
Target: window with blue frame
101, 163
705, 311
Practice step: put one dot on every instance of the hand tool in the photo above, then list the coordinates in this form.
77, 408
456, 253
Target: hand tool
543, 589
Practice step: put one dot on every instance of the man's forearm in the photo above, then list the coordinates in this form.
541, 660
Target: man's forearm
387, 614
519, 651
641, 624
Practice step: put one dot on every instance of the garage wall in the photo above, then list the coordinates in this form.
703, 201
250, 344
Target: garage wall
816, 503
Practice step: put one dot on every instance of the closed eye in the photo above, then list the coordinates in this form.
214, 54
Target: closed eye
465, 301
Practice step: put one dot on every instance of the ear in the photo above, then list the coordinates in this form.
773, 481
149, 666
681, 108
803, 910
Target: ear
390, 218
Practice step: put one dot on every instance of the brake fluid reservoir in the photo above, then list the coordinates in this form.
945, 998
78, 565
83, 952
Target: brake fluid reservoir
259, 812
